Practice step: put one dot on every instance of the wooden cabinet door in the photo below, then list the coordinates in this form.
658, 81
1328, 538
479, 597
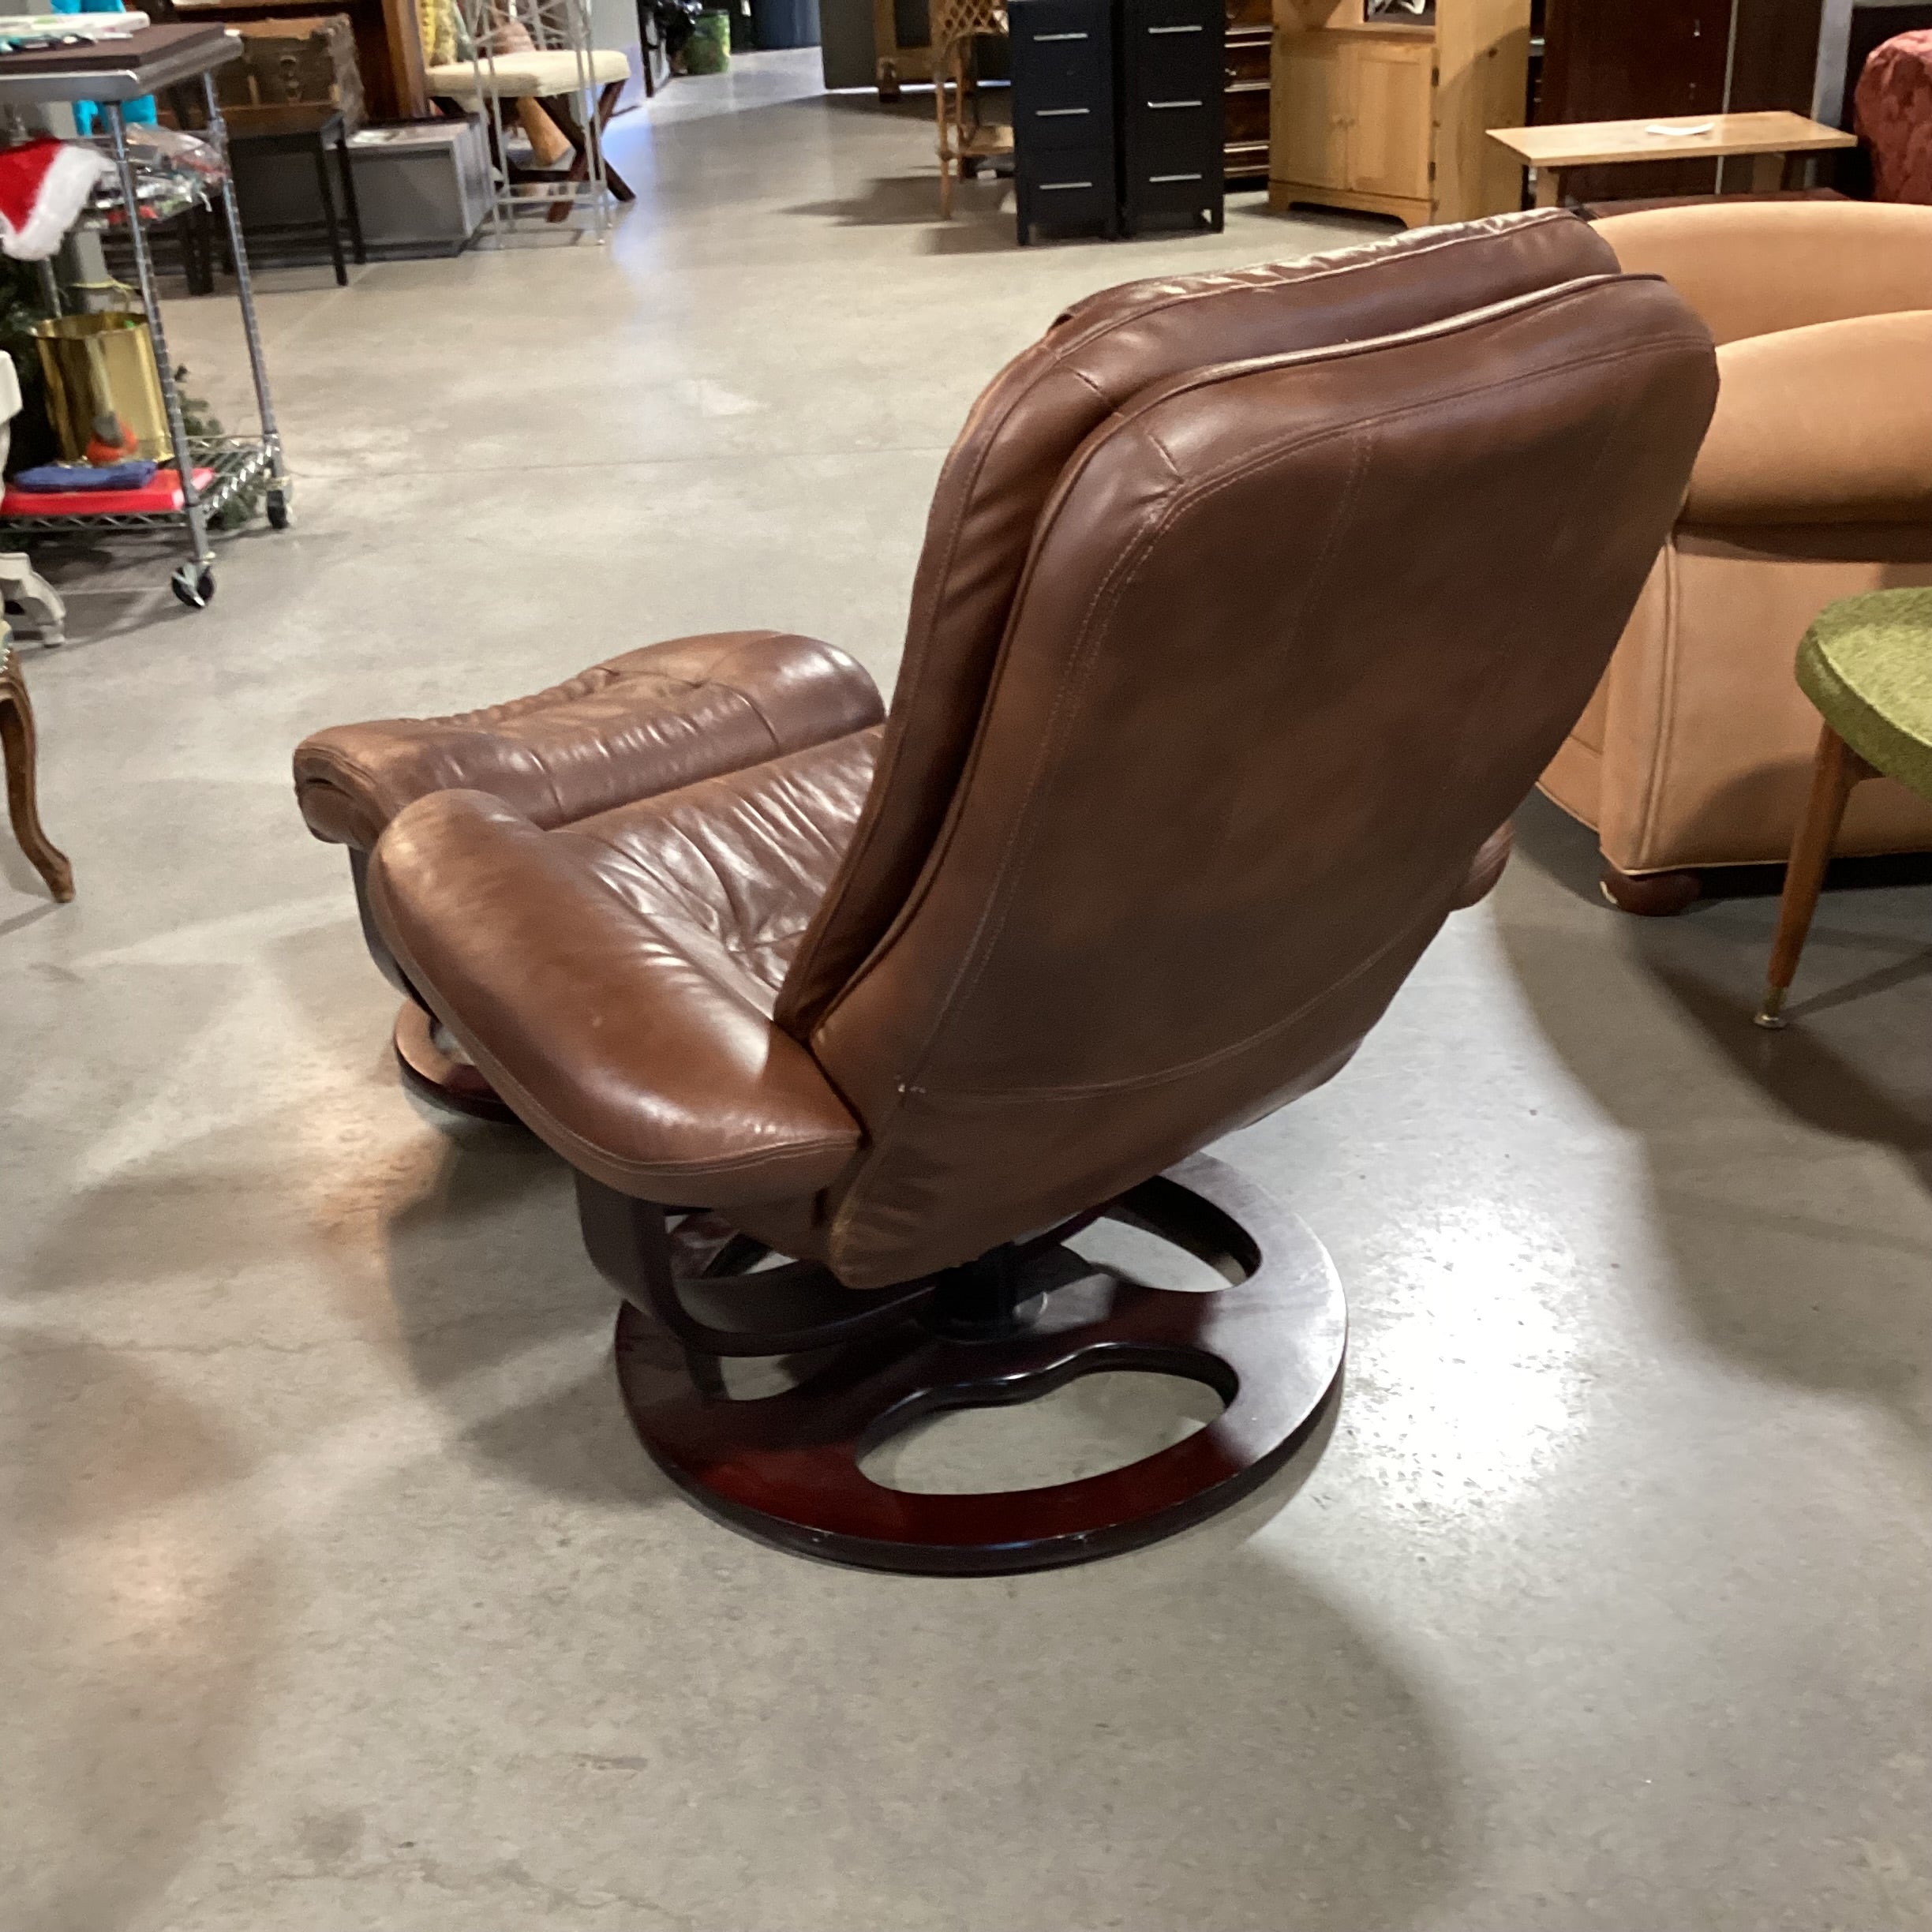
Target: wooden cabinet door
1310, 139
1389, 117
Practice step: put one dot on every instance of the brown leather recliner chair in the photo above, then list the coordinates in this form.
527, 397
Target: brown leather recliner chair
1250, 605
1814, 483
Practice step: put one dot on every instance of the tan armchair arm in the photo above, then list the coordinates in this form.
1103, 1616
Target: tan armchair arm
1754, 267
1827, 425
626, 1038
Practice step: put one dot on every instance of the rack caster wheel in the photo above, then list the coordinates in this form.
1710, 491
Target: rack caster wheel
278, 509
194, 584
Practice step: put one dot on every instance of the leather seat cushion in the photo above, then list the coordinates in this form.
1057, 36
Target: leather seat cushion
634, 725
614, 979
744, 857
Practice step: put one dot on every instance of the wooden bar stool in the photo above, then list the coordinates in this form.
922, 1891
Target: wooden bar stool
1866, 664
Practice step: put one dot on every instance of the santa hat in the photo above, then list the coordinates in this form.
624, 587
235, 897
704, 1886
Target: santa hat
43, 186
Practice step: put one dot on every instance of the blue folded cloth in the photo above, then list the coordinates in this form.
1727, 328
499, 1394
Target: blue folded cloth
129, 475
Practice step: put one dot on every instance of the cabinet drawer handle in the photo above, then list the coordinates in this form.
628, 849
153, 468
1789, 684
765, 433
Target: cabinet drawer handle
1191, 27
1156, 181
1041, 40
1049, 114
1060, 187
1157, 105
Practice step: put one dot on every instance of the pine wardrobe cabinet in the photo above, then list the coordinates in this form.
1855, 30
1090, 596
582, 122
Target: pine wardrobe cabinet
1390, 116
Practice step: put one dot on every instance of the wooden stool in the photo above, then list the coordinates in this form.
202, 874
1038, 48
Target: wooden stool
1866, 664
17, 741
965, 140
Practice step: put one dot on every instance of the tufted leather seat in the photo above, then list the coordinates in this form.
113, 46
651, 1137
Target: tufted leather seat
647, 722
634, 725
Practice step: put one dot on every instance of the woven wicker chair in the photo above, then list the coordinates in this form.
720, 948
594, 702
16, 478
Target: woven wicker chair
965, 140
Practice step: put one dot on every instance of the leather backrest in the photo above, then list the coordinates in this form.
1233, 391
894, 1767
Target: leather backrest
1756, 268
1033, 416
1295, 635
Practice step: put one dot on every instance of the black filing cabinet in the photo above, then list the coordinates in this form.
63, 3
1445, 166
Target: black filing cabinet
1171, 57
1065, 158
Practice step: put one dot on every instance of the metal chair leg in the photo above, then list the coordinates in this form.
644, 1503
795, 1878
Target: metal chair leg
328, 213
351, 208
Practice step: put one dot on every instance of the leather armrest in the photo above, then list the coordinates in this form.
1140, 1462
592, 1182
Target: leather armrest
1827, 425
648, 721
628, 1038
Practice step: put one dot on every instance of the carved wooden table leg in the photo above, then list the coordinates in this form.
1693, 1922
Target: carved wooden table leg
17, 738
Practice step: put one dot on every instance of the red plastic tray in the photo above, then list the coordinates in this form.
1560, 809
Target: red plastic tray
162, 492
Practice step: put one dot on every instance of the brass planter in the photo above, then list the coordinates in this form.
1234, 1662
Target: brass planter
97, 362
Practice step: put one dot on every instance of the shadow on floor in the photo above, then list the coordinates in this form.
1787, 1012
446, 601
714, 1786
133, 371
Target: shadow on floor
1790, 1255
981, 210
134, 1625
486, 1263
1180, 1739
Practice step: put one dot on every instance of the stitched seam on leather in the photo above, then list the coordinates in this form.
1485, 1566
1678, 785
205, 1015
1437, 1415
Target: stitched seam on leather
1549, 218
1021, 841
980, 946
1452, 779
757, 710
1181, 1069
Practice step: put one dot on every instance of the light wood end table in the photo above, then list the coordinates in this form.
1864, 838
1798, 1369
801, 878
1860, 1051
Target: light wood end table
1773, 138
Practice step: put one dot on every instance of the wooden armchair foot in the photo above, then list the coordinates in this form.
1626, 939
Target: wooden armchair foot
1650, 895
16, 740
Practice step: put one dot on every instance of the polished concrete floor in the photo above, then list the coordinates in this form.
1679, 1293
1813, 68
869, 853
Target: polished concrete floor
336, 1593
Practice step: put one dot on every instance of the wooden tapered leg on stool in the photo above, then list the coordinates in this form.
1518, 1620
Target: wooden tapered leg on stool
16, 740
1837, 770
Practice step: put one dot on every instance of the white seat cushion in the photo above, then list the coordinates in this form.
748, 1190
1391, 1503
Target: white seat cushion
539, 71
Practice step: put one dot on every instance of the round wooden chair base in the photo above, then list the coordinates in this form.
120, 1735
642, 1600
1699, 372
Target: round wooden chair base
786, 1467
438, 1074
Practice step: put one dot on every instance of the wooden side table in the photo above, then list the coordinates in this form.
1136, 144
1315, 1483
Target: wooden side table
17, 742
1773, 138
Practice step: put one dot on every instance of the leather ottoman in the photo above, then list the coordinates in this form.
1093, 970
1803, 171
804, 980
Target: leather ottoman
632, 728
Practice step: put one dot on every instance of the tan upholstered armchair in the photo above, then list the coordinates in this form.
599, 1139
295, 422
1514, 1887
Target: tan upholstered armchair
1815, 482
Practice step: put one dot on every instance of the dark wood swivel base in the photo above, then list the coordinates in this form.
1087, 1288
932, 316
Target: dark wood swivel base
1013, 1326
431, 1067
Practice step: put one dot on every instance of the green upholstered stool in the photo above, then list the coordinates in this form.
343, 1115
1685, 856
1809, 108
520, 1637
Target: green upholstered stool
1866, 664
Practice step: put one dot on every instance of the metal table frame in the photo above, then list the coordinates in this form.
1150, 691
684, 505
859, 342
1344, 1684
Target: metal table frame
239, 462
